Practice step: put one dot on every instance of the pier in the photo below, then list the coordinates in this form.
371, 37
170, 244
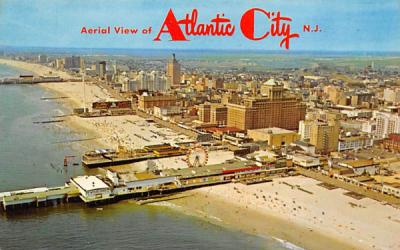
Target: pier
115, 186
109, 157
37, 197
30, 79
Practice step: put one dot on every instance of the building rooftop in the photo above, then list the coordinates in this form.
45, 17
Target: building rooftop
273, 130
302, 143
223, 129
90, 182
358, 163
305, 157
271, 82
353, 137
207, 170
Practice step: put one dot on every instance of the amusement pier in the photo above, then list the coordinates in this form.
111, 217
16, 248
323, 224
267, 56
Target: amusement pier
150, 184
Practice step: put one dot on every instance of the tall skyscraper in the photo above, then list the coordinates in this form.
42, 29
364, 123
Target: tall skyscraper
73, 63
173, 72
305, 129
152, 81
204, 112
215, 113
144, 80
322, 129
157, 82
102, 69
60, 64
324, 135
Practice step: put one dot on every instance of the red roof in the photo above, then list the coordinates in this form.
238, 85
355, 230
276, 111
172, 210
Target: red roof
394, 137
223, 129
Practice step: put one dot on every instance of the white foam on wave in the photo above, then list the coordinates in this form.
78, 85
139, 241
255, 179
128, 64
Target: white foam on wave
215, 218
165, 204
174, 206
59, 111
284, 243
288, 245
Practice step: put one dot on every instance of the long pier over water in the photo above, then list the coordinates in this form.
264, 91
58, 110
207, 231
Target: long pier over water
29, 79
116, 186
37, 197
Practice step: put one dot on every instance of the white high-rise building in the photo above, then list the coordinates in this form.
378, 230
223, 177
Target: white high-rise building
305, 129
387, 123
152, 81
159, 81
144, 80
130, 85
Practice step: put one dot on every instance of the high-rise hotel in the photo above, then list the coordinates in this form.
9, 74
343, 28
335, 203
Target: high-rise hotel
173, 72
272, 109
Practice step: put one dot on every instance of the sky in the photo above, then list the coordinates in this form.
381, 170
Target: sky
347, 25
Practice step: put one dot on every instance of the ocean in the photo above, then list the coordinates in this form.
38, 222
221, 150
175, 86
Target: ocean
31, 155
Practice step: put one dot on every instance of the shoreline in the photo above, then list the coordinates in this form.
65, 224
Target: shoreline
222, 201
35, 69
71, 120
214, 210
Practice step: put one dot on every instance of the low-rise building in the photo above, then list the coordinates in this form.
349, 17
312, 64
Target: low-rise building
305, 161
304, 146
92, 188
149, 102
392, 143
275, 137
360, 166
167, 111
354, 142
357, 113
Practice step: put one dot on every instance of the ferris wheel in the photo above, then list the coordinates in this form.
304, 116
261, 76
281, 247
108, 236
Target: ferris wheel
197, 157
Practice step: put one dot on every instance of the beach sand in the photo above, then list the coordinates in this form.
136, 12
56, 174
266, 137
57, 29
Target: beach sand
35, 69
309, 218
325, 219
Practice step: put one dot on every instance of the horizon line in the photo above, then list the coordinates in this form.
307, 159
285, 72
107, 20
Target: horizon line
233, 50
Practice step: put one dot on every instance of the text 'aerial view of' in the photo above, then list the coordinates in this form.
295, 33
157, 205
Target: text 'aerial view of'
200, 124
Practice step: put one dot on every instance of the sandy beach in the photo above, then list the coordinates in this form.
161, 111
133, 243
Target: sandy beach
35, 69
309, 218
316, 218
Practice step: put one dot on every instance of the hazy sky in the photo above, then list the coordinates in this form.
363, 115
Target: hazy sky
366, 25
